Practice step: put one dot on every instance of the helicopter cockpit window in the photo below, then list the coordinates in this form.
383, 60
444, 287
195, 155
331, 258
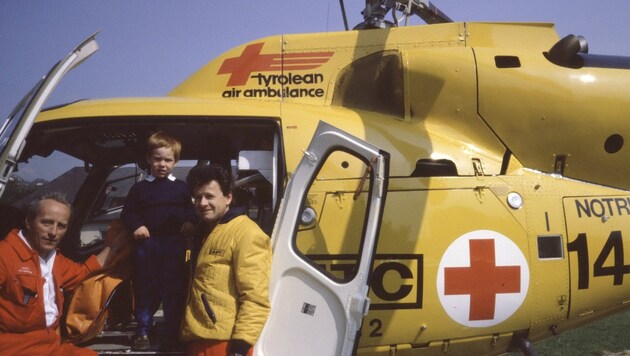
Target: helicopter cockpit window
372, 83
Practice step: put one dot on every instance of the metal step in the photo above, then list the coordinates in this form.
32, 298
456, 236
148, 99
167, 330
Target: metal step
117, 340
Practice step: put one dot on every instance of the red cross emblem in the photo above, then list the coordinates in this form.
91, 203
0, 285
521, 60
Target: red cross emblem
240, 68
483, 280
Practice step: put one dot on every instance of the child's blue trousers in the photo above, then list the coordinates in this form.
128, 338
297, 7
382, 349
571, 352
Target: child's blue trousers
160, 276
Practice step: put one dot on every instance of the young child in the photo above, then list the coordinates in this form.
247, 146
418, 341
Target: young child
159, 211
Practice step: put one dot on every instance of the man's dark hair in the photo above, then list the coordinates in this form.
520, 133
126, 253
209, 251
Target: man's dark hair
32, 208
204, 174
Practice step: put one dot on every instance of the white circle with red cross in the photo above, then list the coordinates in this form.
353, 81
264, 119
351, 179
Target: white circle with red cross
482, 279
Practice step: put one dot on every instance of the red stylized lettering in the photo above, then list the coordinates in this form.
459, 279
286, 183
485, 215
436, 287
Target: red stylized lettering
251, 60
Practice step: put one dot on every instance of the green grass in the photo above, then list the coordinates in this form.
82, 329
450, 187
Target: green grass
607, 336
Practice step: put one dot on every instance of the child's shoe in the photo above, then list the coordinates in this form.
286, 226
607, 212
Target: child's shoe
141, 343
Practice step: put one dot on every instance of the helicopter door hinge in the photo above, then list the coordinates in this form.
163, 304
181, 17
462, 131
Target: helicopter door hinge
478, 167
392, 350
339, 198
560, 162
562, 301
479, 190
445, 346
495, 338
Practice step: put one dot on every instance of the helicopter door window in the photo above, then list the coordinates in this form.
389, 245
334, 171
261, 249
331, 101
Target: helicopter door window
118, 183
112, 197
332, 220
108, 204
254, 185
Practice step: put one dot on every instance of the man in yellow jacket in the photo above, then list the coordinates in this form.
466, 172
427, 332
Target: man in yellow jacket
228, 302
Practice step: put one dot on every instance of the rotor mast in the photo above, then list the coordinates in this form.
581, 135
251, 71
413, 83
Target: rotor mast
376, 10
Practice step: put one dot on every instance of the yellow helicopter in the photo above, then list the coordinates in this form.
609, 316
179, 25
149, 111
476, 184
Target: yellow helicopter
420, 186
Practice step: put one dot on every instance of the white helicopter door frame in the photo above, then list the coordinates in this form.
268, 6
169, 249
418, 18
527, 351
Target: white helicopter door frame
313, 313
15, 128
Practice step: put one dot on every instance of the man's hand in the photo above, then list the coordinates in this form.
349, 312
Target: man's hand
141, 233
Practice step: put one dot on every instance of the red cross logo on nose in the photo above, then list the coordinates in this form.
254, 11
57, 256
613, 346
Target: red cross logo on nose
483, 280
251, 60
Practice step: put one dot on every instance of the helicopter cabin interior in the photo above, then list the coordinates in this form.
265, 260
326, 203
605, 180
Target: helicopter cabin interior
108, 154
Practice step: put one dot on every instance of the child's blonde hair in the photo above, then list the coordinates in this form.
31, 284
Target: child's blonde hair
159, 140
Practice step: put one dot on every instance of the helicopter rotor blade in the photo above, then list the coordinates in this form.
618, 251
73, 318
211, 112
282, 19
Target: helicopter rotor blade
428, 12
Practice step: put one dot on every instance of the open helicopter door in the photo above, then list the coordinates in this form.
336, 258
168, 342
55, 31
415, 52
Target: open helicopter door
314, 312
15, 128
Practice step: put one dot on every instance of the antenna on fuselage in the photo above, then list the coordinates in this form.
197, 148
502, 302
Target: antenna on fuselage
375, 11
343, 14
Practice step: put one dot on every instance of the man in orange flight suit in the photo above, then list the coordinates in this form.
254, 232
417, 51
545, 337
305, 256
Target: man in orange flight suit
33, 276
